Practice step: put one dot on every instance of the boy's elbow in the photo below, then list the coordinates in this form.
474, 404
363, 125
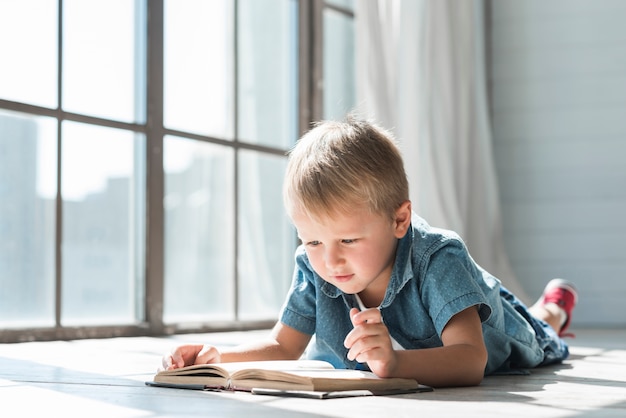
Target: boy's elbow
470, 371
481, 365
472, 377
476, 373
475, 378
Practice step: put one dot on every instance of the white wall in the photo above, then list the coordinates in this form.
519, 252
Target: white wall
558, 88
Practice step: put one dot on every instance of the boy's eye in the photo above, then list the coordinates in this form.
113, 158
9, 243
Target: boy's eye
313, 243
348, 241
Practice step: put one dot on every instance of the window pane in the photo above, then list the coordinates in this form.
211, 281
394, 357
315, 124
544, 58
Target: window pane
104, 58
198, 70
266, 237
28, 51
339, 73
267, 69
28, 172
199, 231
103, 188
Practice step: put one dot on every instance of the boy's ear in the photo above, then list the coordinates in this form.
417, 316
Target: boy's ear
403, 219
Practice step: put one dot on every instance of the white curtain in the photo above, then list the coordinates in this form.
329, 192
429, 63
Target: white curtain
421, 74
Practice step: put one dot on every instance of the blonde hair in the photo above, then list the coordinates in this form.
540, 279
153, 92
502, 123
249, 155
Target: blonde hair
339, 165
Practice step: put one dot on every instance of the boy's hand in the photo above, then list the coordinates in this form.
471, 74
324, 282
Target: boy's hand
186, 355
369, 342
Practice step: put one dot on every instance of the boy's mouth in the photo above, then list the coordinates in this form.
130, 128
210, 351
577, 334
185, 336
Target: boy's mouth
342, 278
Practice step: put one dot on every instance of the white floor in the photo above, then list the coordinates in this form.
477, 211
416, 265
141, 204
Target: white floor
106, 378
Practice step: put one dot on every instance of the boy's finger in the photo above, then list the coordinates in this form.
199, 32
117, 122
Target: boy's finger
168, 362
353, 312
368, 316
208, 354
177, 359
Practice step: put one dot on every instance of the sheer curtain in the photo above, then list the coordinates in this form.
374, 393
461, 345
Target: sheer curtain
421, 74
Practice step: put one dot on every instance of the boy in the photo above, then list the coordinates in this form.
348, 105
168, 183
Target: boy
381, 289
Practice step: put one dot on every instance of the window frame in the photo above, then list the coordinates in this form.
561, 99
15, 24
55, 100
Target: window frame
310, 103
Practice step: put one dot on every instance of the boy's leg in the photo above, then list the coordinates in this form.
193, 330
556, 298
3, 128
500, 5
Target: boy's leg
551, 313
556, 304
554, 347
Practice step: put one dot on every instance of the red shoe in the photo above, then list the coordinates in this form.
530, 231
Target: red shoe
564, 294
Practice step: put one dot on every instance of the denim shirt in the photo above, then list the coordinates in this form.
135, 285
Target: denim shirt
433, 278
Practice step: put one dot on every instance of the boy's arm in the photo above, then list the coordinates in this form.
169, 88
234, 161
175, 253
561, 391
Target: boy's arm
460, 362
284, 343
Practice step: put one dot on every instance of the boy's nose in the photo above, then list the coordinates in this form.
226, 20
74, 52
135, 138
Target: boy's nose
333, 258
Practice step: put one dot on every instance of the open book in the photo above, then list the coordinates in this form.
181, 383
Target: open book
283, 375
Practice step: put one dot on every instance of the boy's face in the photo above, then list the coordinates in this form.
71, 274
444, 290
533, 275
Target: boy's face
356, 251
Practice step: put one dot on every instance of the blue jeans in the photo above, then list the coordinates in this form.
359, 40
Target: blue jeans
554, 348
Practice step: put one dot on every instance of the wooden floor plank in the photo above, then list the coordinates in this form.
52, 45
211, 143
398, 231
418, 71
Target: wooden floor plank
106, 378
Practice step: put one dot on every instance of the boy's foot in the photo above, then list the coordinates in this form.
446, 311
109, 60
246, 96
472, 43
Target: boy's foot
563, 294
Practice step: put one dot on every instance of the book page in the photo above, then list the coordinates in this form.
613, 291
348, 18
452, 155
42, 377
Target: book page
317, 379
219, 374
277, 365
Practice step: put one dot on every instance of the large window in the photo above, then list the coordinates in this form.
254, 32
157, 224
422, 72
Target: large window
142, 150
72, 176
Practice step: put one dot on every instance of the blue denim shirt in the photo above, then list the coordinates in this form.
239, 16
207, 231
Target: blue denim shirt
433, 278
